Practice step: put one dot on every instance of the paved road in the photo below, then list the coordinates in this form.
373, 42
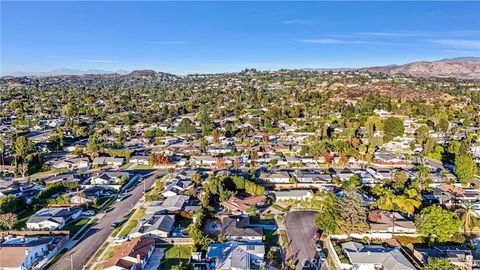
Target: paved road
300, 231
99, 233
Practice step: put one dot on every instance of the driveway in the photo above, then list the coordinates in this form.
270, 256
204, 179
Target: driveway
300, 231
98, 234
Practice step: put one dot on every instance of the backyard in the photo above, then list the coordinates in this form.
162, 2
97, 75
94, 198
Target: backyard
174, 255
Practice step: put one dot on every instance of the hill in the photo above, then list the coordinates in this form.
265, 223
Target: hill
462, 68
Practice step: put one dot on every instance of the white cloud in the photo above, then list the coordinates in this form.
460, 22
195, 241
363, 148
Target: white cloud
458, 43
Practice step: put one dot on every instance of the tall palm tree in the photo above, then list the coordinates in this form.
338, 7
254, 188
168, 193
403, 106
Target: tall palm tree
467, 212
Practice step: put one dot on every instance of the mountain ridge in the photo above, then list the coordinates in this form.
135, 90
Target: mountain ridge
466, 67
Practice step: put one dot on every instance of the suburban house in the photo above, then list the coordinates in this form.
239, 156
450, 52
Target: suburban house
27, 252
388, 222
236, 256
388, 158
279, 177
240, 204
297, 195
155, 226
220, 150
132, 255
64, 177
175, 185
53, 218
109, 178
140, 160
72, 163
89, 194
203, 160
238, 228
313, 177
172, 203
103, 161
461, 256
373, 257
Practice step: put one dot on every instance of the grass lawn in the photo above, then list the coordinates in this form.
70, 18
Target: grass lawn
174, 255
142, 167
75, 226
22, 219
95, 257
132, 222
51, 172
86, 228
126, 165
107, 256
156, 192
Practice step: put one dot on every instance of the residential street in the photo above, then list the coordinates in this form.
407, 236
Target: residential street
99, 233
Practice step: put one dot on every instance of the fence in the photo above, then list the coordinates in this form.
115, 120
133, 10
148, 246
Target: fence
174, 241
34, 233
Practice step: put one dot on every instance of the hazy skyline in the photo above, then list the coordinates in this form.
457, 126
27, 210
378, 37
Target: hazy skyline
205, 37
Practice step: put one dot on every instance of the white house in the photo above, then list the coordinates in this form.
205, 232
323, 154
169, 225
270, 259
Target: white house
298, 195
53, 218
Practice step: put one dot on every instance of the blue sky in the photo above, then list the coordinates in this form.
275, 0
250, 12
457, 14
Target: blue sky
204, 37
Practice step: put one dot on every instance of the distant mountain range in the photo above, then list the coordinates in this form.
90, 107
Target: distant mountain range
459, 67
66, 71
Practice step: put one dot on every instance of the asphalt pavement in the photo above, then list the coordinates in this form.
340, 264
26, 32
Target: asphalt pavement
99, 233
301, 229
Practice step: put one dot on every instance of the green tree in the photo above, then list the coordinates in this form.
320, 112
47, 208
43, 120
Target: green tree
353, 214
252, 210
353, 182
439, 264
186, 127
326, 218
437, 223
393, 126
465, 169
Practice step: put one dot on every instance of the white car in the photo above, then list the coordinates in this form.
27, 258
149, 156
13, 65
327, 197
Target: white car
89, 213
119, 240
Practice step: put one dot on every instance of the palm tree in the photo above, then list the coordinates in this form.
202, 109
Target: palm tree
406, 205
467, 212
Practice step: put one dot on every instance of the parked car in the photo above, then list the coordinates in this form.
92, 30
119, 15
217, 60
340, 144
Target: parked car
317, 235
318, 245
322, 256
89, 213
117, 223
119, 240
120, 198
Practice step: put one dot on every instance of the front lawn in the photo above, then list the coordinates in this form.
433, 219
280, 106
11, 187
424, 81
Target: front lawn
22, 219
174, 255
132, 222
75, 226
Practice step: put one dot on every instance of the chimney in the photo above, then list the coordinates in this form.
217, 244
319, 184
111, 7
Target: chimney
139, 260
